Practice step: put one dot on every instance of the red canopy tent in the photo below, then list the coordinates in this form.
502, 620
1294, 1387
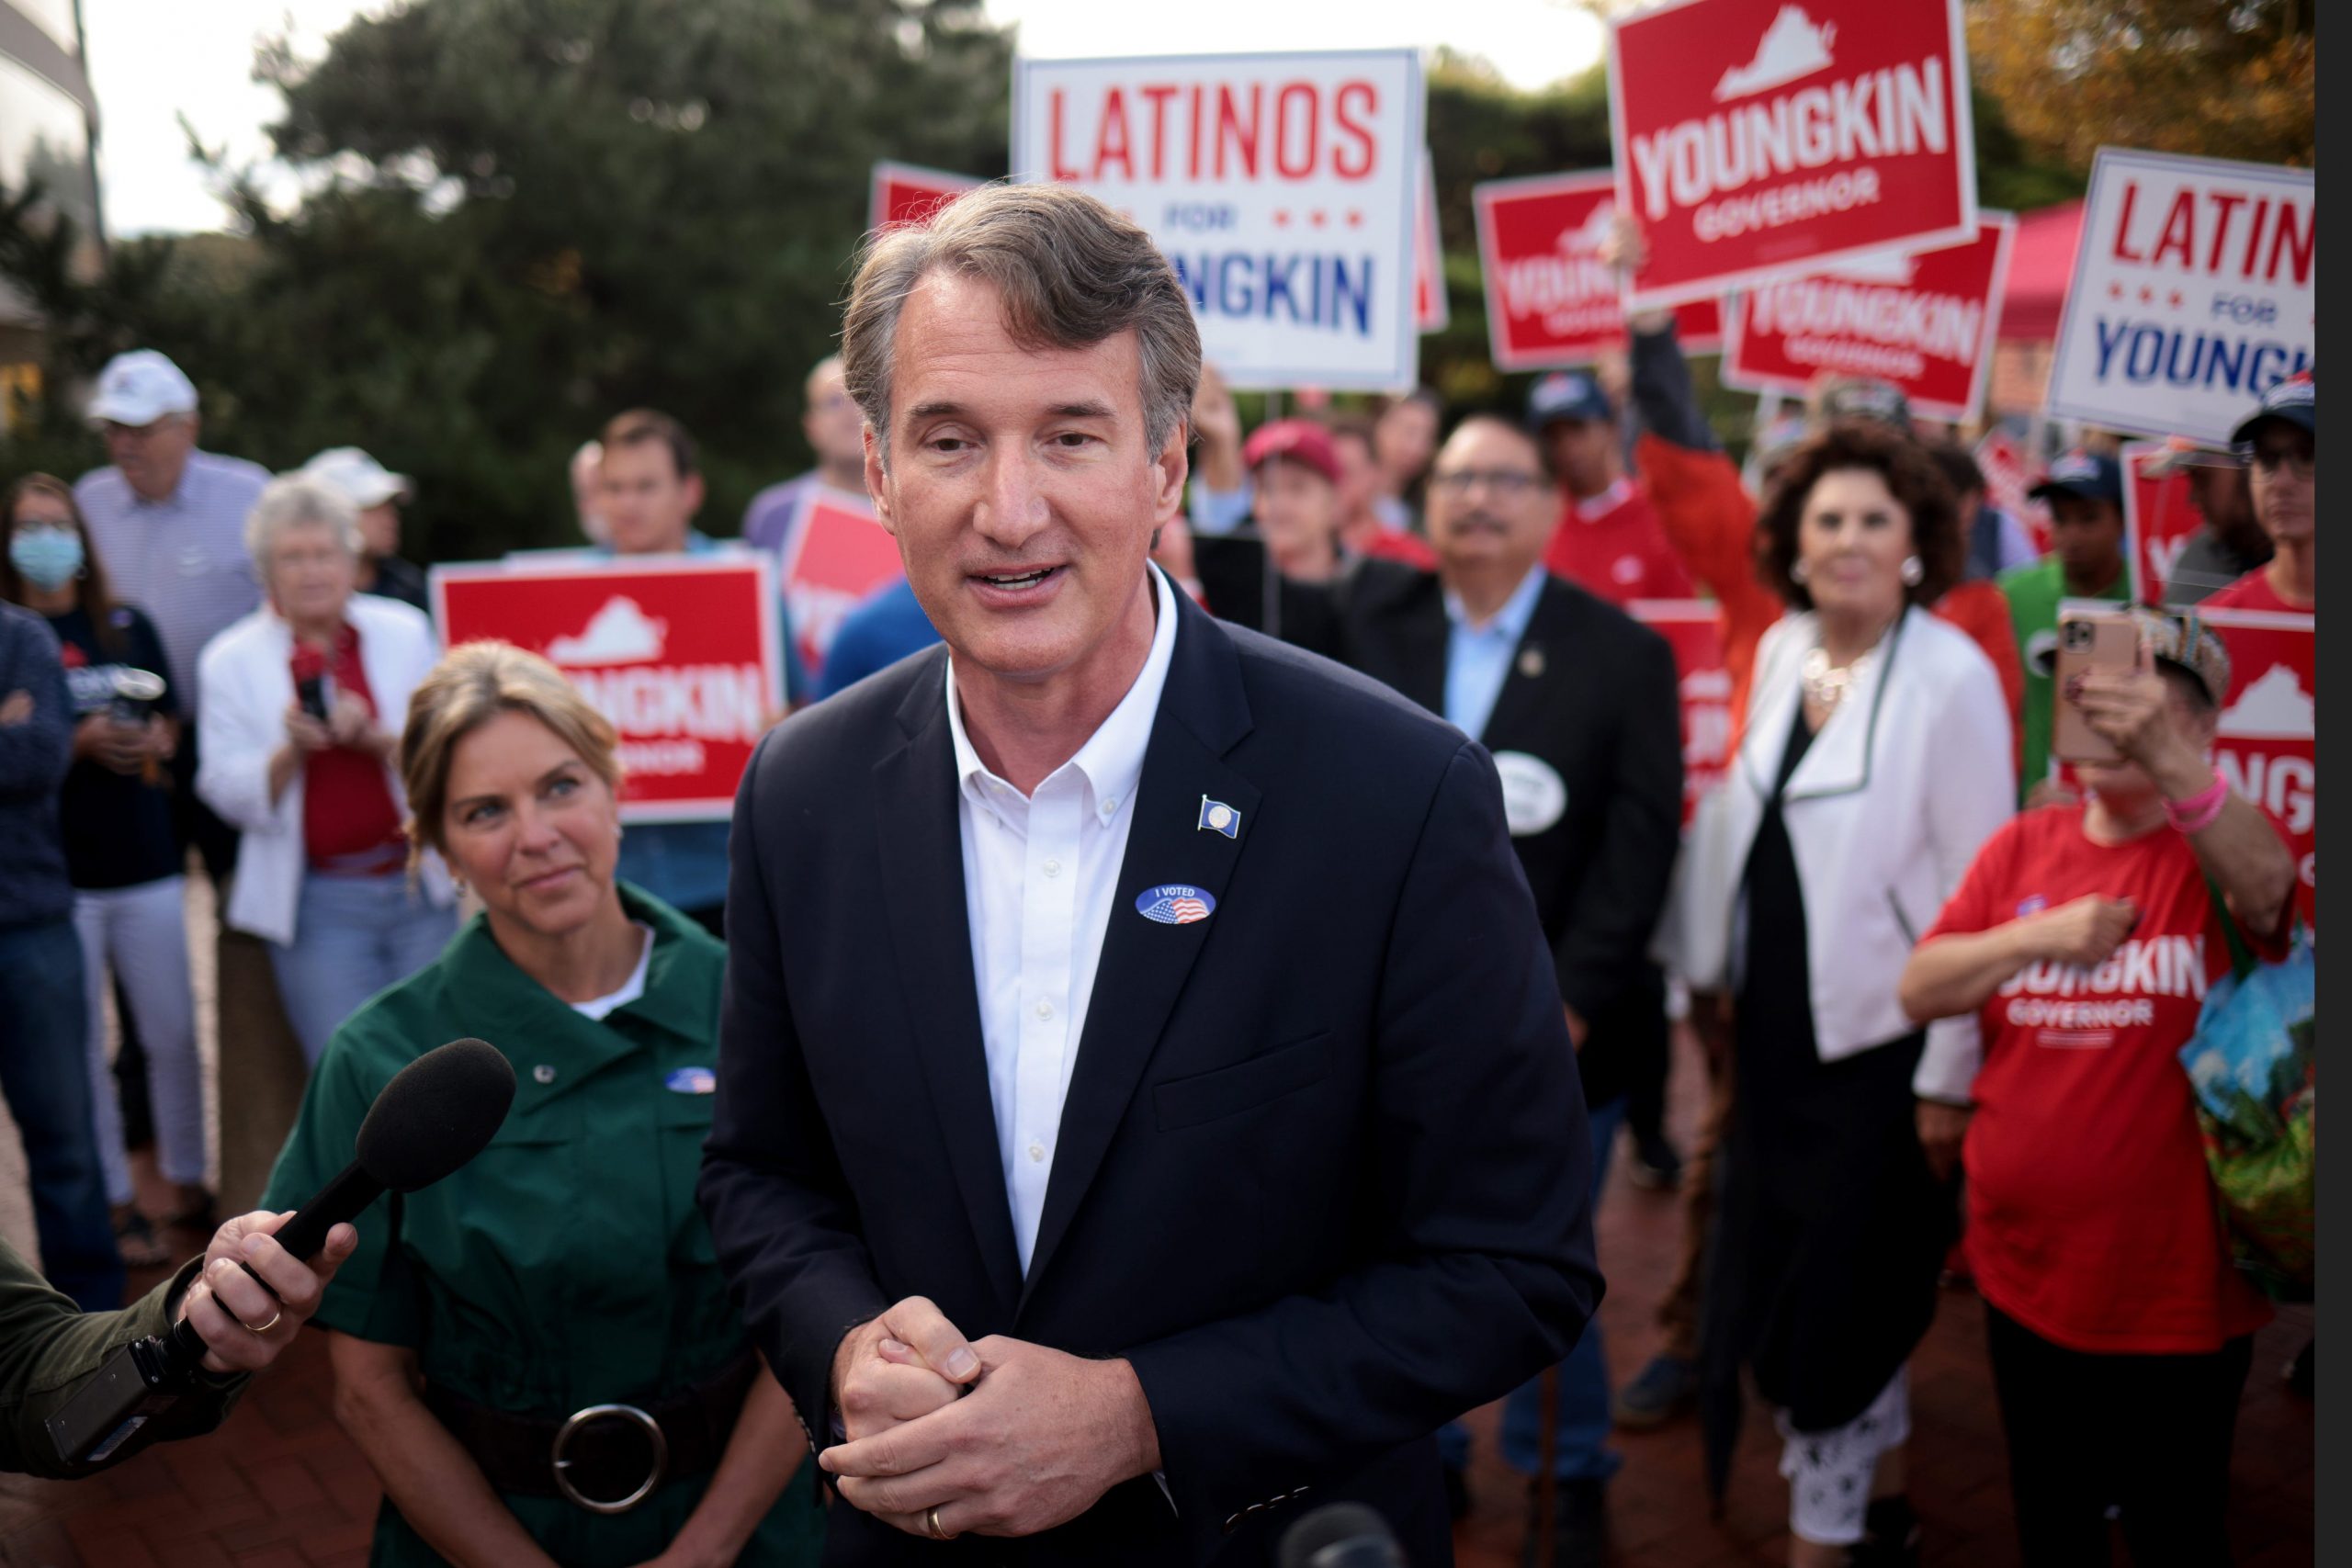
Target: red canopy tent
2041, 264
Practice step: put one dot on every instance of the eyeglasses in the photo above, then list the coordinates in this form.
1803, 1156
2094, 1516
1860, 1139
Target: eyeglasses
1506, 482
2270, 459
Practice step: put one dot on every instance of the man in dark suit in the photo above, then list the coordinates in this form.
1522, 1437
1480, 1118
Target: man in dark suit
1145, 1105
1577, 703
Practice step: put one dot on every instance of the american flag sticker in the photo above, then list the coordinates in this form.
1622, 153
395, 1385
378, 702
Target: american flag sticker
1175, 904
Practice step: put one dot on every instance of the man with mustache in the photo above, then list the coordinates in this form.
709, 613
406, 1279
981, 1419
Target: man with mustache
1579, 705
1145, 1109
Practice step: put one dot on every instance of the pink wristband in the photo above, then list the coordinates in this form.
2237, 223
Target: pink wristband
2197, 813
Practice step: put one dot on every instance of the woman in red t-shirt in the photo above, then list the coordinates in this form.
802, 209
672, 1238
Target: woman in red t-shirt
2086, 936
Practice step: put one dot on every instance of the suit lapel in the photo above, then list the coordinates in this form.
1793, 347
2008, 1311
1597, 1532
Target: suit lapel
923, 895
1838, 761
1202, 714
1414, 630
1537, 675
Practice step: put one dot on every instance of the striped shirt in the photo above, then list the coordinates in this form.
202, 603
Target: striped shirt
183, 560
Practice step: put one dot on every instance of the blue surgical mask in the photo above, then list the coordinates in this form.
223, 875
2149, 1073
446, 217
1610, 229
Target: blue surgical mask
50, 558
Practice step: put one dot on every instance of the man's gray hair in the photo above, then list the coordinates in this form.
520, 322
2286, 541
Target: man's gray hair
1071, 271
290, 501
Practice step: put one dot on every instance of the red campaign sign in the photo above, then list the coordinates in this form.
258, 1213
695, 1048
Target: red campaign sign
2265, 746
1431, 312
839, 555
1551, 304
681, 653
902, 193
2159, 515
2009, 475
1922, 320
1692, 626
1758, 139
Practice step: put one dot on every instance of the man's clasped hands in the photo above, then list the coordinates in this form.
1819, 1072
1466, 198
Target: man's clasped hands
1000, 1436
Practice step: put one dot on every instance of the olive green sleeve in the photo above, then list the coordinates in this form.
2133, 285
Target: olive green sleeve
49, 1347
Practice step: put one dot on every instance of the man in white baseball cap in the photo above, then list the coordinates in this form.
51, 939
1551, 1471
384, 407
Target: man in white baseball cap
168, 524
376, 493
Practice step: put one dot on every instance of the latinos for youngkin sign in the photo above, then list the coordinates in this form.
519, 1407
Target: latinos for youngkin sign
1281, 187
1552, 302
681, 653
1923, 320
2193, 293
1755, 139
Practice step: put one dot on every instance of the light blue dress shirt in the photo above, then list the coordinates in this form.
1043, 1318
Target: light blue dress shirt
1477, 658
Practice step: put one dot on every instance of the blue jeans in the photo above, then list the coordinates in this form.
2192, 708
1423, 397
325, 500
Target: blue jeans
44, 1070
353, 937
1580, 1451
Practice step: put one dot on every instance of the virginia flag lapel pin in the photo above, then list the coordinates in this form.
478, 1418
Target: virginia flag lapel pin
1216, 817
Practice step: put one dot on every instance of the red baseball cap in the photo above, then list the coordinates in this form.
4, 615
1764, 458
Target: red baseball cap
1297, 440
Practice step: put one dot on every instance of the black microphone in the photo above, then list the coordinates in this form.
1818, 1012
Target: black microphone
435, 1114
1341, 1535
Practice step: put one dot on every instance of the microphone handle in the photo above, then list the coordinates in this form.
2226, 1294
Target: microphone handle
302, 1236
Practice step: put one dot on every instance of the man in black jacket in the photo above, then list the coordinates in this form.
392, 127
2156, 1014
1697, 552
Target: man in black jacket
1133, 1026
1579, 705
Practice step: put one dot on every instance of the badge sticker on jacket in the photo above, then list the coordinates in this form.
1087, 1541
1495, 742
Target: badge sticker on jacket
1534, 797
1175, 904
693, 1080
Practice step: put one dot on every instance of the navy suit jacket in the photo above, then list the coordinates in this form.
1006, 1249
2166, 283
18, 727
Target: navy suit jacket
1323, 1176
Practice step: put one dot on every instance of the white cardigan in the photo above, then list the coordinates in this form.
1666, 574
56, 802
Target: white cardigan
244, 683
1906, 779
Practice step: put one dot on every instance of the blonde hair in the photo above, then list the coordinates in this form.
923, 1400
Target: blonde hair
472, 684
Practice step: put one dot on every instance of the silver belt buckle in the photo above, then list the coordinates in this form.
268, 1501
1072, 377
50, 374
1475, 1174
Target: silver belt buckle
580, 1418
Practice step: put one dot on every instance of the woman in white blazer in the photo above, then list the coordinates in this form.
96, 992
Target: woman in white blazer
1875, 759
298, 726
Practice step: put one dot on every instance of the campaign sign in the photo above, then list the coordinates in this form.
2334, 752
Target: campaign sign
680, 652
1692, 626
1281, 187
1923, 320
2193, 293
2159, 515
2265, 746
2010, 473
1431, 312
1758, 139
839, 556
902, 193
1552, 302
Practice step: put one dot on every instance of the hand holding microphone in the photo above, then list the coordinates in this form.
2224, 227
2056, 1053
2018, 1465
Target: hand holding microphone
252, 1296
435, 1114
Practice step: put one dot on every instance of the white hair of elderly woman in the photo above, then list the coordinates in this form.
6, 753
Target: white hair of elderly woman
291, 501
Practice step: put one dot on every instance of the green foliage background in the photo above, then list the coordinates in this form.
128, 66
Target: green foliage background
521, 216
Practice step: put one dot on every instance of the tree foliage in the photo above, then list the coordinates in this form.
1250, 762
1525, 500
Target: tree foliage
2221, 78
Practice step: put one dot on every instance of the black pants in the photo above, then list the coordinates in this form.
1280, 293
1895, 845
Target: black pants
2151, 1434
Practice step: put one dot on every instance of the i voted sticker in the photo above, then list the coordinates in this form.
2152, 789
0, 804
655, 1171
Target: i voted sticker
1534, 796
1175, 904
692, 1080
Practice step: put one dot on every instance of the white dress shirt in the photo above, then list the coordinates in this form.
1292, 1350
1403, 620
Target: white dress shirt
1040, 873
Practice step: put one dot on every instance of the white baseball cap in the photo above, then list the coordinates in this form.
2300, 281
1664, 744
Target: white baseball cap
140, 387
362, 481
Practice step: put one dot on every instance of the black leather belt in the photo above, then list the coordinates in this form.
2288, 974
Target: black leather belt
605, 1459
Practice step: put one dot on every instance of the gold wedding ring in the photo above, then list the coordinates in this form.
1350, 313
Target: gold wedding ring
262, 1327
931, 1521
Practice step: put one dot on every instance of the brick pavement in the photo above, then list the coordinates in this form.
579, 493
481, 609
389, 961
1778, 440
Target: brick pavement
279, 1486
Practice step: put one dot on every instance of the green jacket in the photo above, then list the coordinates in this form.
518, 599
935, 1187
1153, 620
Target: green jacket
568, 1264
49, 1347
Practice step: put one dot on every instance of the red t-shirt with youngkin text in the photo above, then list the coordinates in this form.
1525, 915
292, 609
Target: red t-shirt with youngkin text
2091, 1218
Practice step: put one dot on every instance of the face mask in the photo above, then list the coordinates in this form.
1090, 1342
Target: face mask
50, 558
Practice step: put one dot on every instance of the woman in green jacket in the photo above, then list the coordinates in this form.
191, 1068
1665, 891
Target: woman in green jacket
537, 1355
